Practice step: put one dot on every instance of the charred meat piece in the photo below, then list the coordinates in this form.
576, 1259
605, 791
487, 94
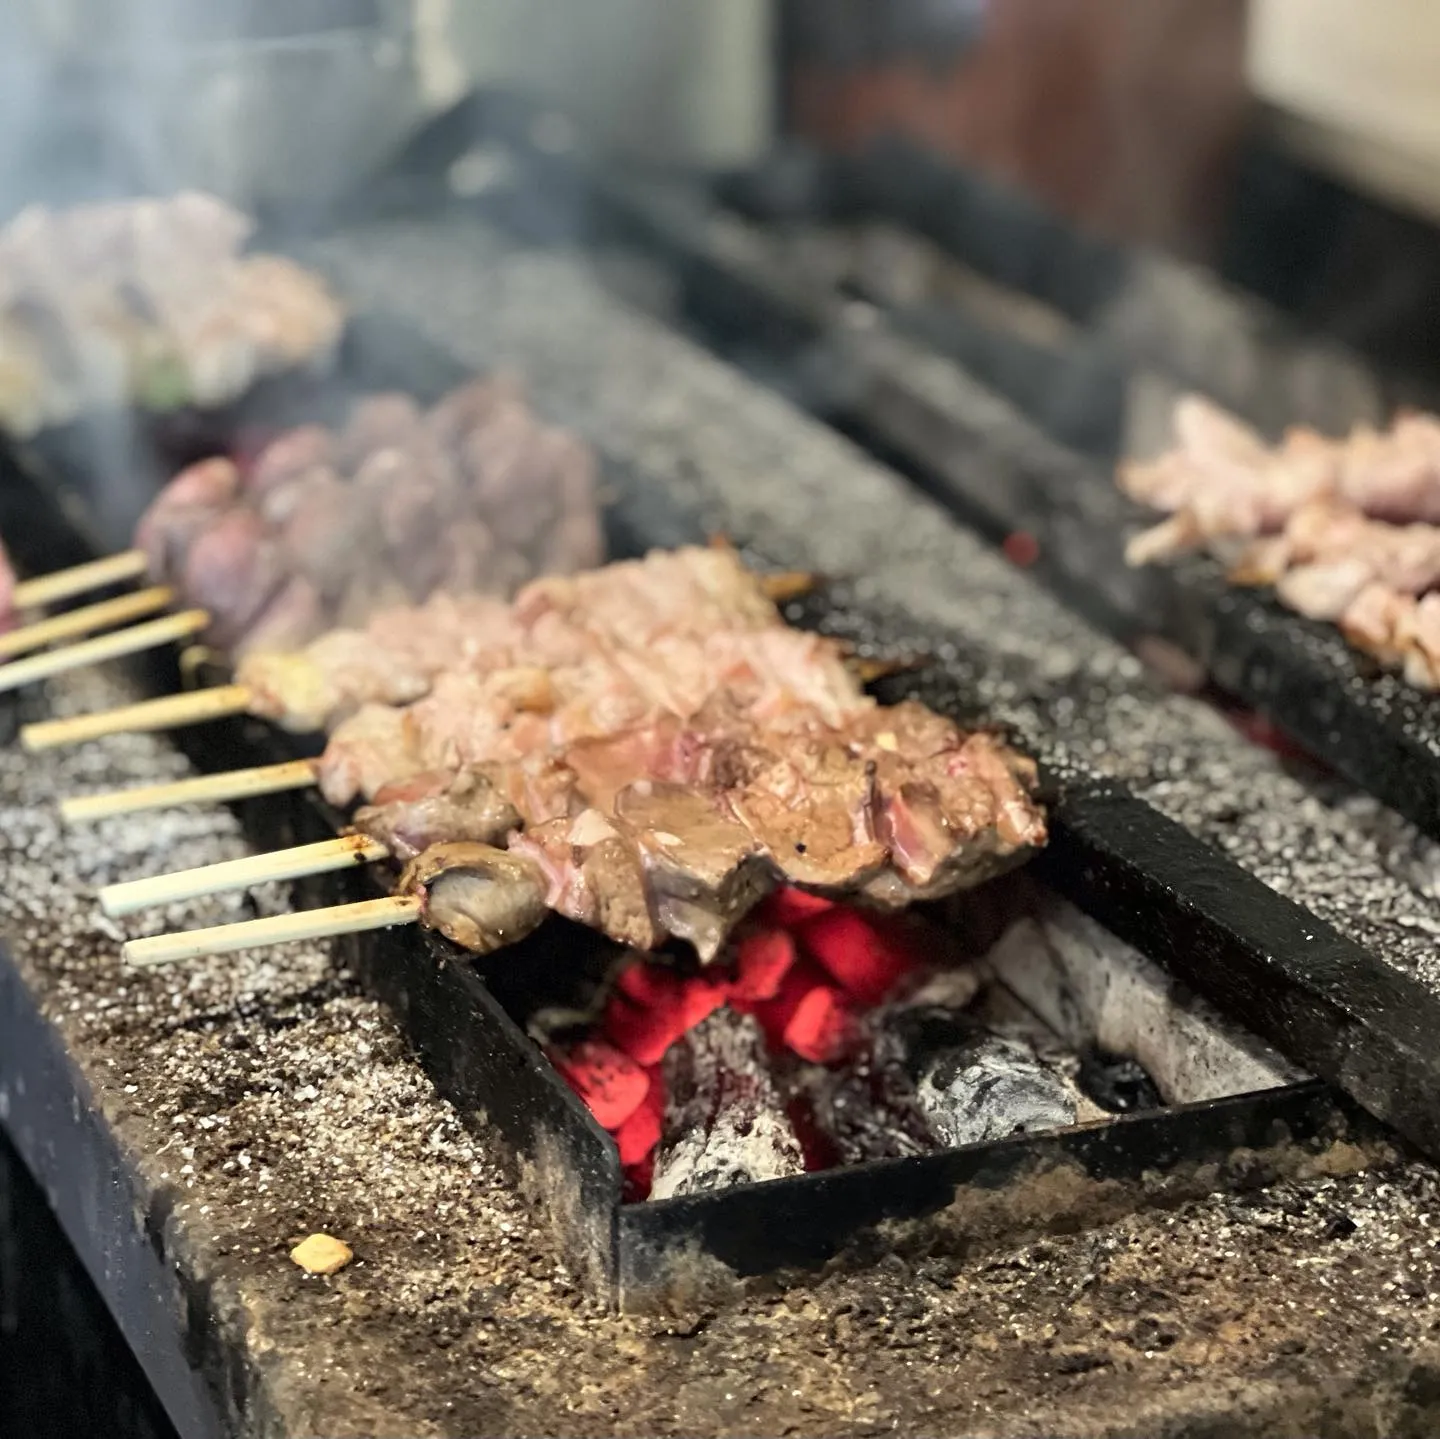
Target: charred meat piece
467, 552
327, 532
295, 616
725, 1122
480, 897
289, 455
378, 422
412, 816
233, 570
471, 406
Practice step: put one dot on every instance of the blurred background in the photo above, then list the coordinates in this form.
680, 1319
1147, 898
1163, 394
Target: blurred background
1290, 144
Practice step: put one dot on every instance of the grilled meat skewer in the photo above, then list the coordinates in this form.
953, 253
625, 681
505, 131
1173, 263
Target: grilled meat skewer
147, 302
325, 529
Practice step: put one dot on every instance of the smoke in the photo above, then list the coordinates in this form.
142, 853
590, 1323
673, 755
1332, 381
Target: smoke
267, 104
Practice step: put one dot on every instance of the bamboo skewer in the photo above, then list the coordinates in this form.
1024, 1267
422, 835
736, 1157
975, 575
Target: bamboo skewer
785, 585
168, 712
130, 641
201, 789
277, 929
296, 863
72, 623
46, 589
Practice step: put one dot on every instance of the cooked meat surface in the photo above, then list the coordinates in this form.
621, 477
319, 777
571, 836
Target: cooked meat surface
658, 776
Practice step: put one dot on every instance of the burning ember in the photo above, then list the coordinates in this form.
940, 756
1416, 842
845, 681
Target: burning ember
814, 1046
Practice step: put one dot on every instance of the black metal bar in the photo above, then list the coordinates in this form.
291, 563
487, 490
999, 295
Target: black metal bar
1294, 981
948, 1200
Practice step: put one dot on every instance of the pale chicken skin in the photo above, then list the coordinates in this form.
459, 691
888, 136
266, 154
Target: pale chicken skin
1347, 531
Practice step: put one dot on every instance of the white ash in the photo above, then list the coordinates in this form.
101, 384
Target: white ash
757, 468
725, 1122
991, 1088
260, 1089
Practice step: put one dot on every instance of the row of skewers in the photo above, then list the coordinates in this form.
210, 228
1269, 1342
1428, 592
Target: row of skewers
645, 748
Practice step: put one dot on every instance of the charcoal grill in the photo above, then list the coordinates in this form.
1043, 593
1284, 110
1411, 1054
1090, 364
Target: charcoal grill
1335, 1011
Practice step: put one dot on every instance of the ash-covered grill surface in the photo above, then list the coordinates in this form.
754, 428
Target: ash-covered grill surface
260, 1097
754, 467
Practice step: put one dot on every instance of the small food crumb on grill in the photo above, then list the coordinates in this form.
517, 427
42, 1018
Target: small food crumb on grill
322, 1254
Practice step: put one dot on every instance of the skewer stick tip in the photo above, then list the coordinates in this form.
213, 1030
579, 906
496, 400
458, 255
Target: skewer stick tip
148, 636
199, 789
46, 589
330, 854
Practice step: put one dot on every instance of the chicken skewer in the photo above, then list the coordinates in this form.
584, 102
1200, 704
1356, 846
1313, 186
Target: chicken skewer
1347, 531
148, 303
395, 658
324, 527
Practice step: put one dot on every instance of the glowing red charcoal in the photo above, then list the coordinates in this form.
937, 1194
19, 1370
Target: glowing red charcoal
867, 955
822, 1029
611, 1084
639, 1135
761, 963
808, 1015
654, 1007
787, 908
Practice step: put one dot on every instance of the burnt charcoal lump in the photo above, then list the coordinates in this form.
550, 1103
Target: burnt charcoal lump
1117, 1083
989, 1088
725, 1123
